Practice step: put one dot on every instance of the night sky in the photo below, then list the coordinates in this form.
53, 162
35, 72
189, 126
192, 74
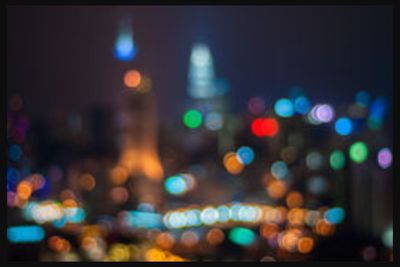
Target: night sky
61, 57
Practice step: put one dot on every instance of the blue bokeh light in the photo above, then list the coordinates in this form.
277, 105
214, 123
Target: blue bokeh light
362, 98
25, 234
334, 215
344, 126
302, 105
176, 185
245, 155
284, 108
125, 49
14, 152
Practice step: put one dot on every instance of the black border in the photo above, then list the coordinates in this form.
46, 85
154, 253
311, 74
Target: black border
396, 96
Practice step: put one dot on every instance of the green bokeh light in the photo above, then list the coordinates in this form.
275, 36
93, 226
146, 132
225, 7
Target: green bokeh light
358, 152
337, 160
242, 236
192, 118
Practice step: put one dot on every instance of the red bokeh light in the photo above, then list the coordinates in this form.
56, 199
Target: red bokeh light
265, 127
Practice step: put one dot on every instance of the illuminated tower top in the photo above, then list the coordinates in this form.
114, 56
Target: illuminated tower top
201, 73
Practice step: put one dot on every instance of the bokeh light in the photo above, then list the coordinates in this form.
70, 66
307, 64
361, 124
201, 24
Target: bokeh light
192, 118
132, 78
215, 236
262, 127
284, 108
25, 234
232, 164
14, 152
302, 105
337, 160
305, 245
362, 98
245, 155
125, 49
358, 152
334, 215
242, 236
322, 113
176, 185
214, 121
314, 160
385, 158
279, 169
256, 105
344, 126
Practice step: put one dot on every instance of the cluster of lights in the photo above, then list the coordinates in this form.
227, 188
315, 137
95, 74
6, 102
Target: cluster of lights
54, 212
252, 214
234, 162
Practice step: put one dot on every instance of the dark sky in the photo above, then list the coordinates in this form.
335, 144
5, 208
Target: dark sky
61, 57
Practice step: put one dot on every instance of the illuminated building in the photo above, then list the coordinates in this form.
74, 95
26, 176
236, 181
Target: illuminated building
139, 159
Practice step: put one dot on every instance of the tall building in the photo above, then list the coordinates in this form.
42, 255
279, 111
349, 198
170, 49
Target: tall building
208, 94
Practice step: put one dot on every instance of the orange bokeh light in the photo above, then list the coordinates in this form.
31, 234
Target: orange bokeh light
269, 230
215, 236
87, 182
276, 189
165, 240
24, 190
132, 78
324, 228
59, 244
294, 200
232, 164
119, 175
305, 245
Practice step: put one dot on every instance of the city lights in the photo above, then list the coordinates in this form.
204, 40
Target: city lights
234, 168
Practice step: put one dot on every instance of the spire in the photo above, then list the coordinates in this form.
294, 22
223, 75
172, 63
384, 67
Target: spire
201, 73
